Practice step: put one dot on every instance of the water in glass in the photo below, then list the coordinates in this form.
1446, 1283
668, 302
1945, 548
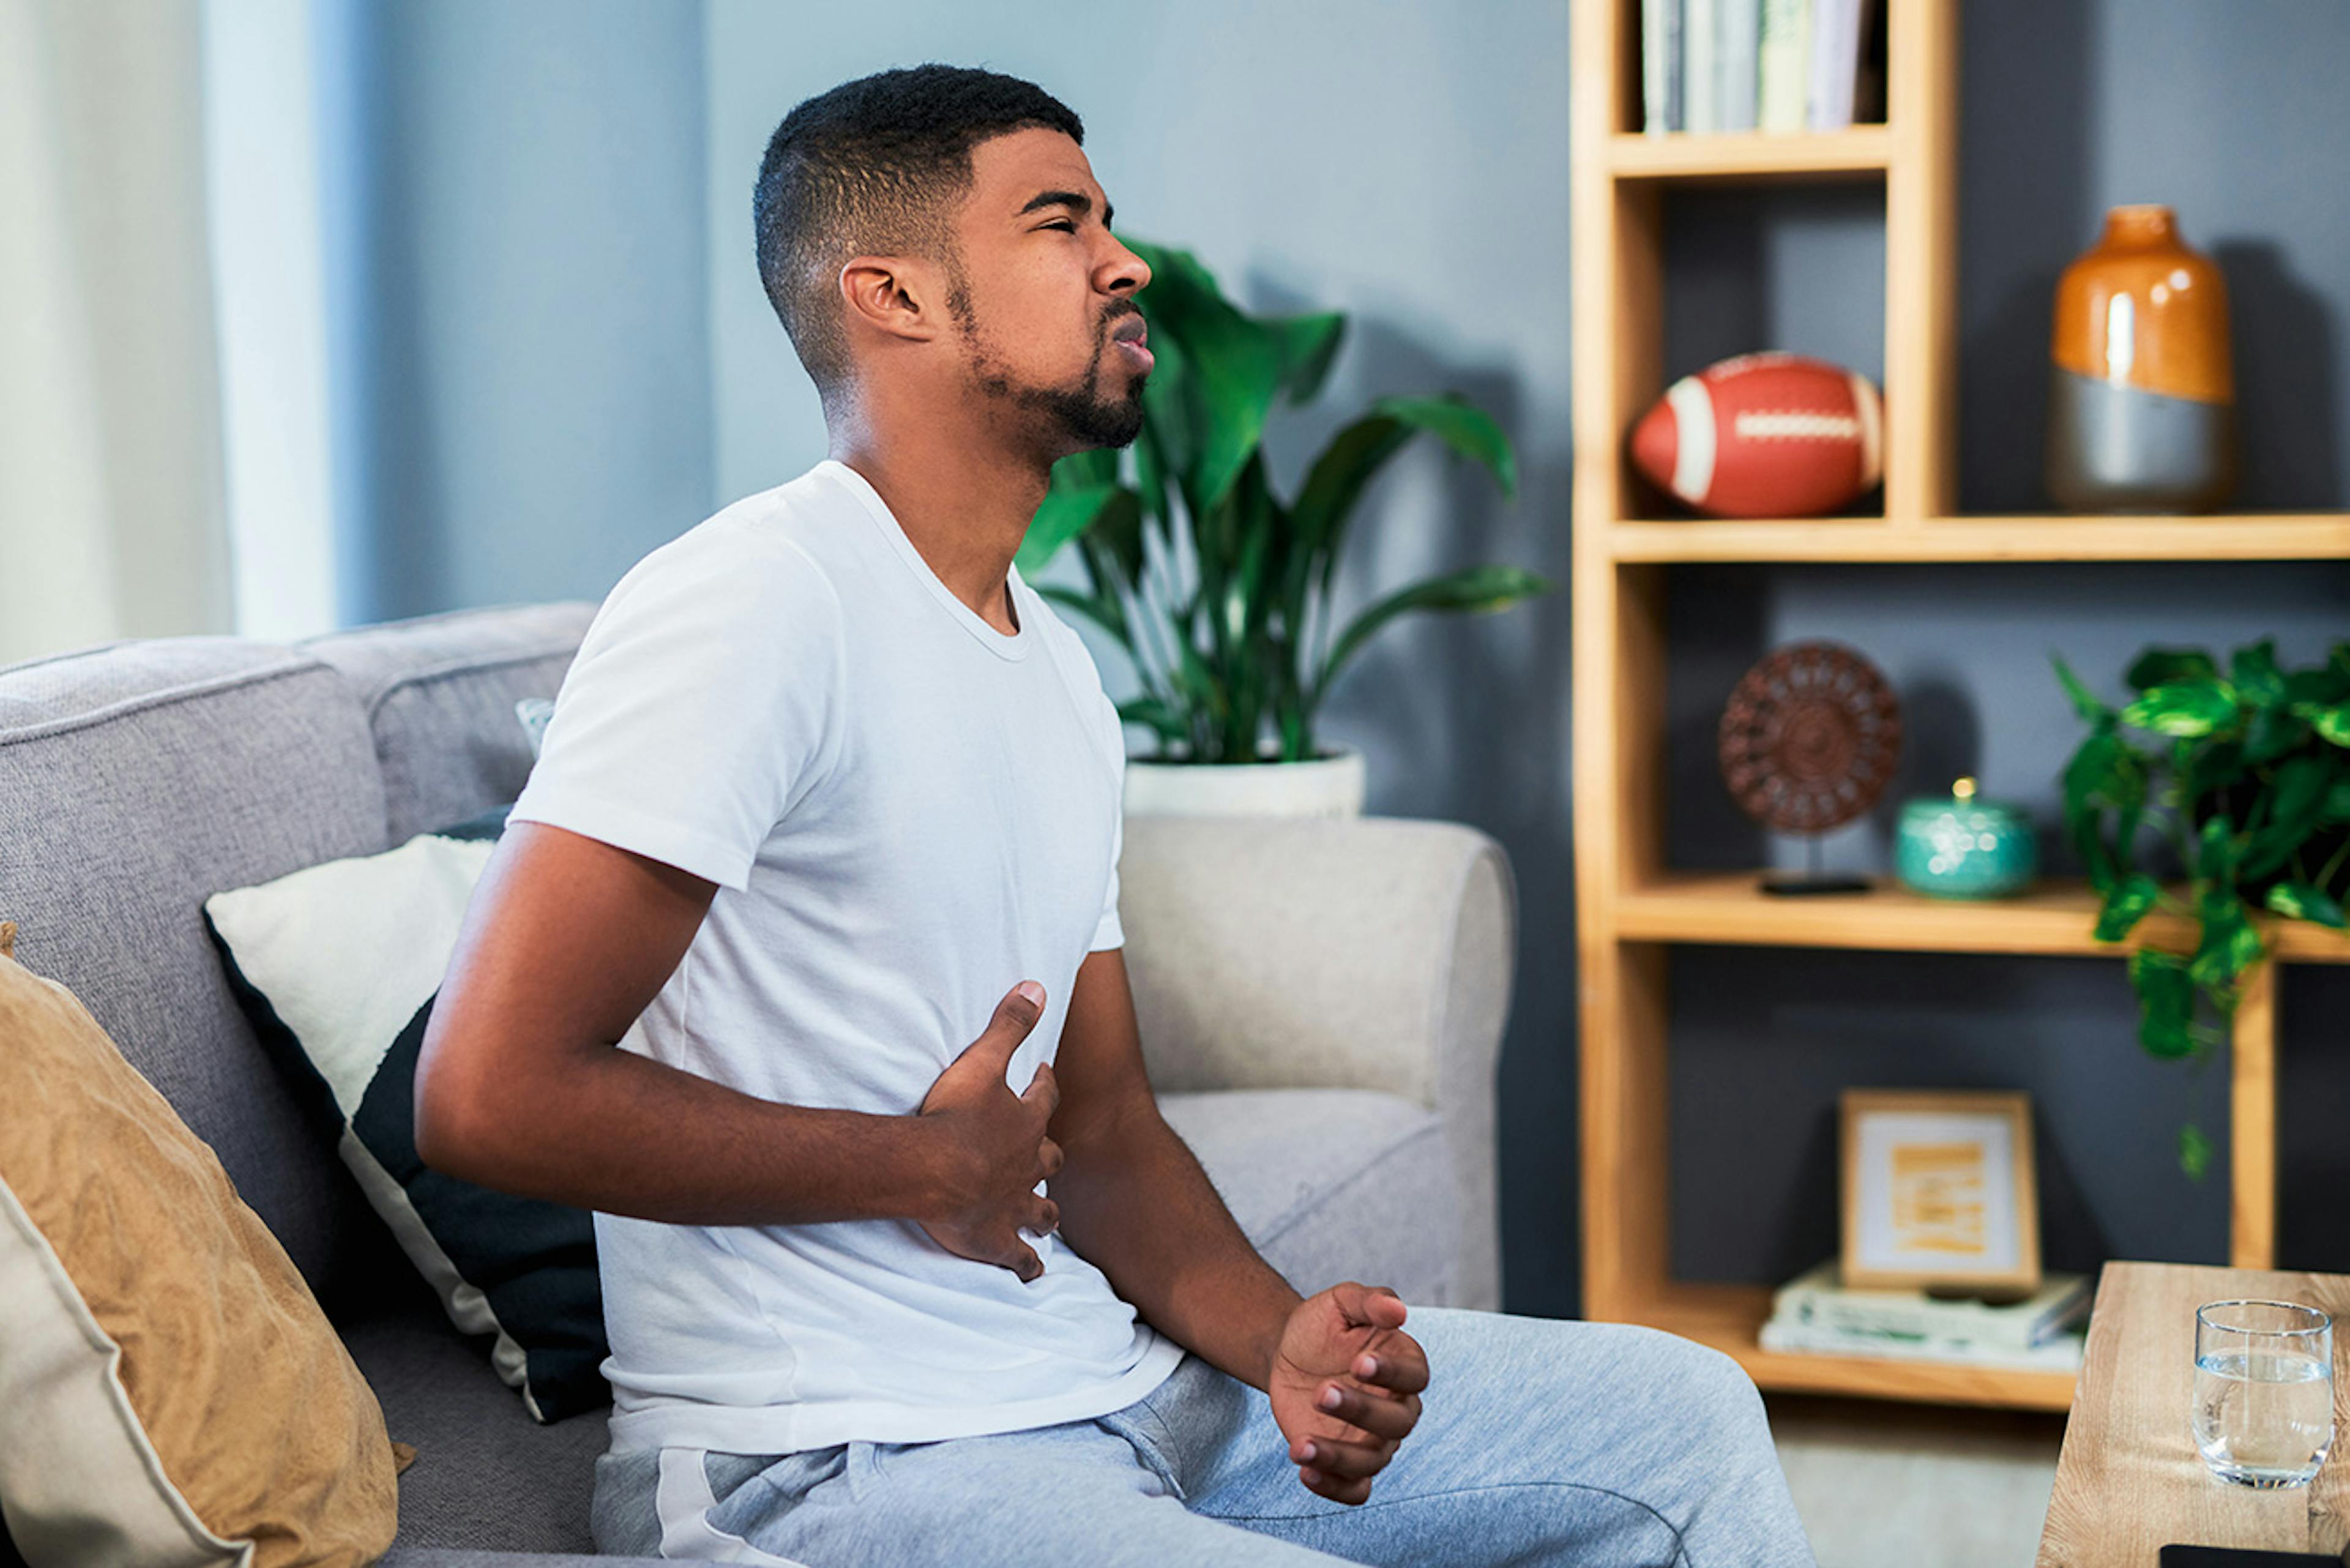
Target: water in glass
2263, 1413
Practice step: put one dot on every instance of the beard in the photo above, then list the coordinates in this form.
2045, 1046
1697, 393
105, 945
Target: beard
1073, 418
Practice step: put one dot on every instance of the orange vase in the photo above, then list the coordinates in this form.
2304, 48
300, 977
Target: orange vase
2141, 405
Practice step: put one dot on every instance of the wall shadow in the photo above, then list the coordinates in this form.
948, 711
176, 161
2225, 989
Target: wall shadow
2288, 418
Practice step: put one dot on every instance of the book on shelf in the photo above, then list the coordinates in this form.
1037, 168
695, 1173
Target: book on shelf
1784, 63
1817, 1301
1700, 65
2061, 1354
1738, 62
1660, 64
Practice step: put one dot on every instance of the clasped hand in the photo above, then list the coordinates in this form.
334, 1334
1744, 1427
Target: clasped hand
1345, 1385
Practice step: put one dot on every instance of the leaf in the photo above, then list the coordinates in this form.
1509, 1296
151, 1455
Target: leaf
1060, 517
1231, 369
2170, 667
2273, 733
1306, 345
1103, 613
2334, 722
2304, 901
1161, 720
2185, 711
2253, 670
2215, 851
1477, 589
2337, 803
2296, 797
2166, 1003
2085, 702
2127, 905
2230, 944
2105, 773
2194, 1152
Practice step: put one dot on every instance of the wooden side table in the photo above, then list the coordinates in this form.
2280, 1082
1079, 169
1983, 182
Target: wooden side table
2129, 1481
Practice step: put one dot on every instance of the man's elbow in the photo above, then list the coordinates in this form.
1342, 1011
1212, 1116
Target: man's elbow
453, 1128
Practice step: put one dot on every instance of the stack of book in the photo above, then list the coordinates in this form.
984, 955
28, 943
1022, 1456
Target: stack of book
1814, 1314
1761, 65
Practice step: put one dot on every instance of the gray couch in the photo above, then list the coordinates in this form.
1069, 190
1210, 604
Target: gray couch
1320, 1001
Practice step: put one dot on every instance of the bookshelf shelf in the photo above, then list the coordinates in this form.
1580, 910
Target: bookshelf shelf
1745, 157
1729, 1318
2055, 920
2263, 537
1632, 912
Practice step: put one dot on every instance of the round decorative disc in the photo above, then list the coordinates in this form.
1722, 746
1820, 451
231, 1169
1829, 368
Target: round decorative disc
1810, 738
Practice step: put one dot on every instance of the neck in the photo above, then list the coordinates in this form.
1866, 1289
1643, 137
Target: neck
963, 493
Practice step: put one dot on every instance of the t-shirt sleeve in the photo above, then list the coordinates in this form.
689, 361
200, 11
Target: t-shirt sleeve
1109, 933
703, 704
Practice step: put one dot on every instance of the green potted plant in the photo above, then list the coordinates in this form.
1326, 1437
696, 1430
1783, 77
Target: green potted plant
2244, 776
1218, 588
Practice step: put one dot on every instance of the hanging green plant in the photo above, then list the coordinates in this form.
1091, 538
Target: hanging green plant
1217, 588
2243, 778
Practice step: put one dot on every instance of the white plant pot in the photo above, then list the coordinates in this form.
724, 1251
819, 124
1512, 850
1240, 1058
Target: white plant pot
1327, 786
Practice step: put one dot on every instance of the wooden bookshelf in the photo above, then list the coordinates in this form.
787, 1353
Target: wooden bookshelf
1632, 911
1749, 156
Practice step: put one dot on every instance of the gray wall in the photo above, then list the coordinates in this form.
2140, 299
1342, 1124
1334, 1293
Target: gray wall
546, 409
518, 318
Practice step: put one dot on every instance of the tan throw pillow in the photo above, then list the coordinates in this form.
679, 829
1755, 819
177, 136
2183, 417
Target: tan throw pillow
172, 1393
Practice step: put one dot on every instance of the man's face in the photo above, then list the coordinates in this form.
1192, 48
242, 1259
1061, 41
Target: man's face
1045, 303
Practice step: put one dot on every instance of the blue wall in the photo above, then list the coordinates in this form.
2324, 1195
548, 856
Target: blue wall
520, 321
574, 361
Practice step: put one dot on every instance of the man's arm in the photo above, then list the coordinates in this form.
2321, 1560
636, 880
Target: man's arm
520, 1085
1135, 1202
1343, 1379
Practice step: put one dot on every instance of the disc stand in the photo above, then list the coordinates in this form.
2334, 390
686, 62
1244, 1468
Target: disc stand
1813, 878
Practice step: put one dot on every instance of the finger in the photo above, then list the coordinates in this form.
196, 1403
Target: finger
1022, 1260
1398, 1364
1334, 1489
1050, 1159
1377, 1414
1338, 1457
1368, 1306
1014, 1016
1045, 1217
1044, 1091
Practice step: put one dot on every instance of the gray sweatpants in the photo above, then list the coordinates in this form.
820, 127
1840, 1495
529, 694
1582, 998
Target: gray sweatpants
1541, 1442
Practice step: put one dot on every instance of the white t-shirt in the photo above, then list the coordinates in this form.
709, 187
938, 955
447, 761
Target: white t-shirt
907, 812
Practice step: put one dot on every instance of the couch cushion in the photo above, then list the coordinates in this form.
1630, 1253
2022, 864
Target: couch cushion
135, 782
173, 1393
439, 692
339, 966
1332, 1184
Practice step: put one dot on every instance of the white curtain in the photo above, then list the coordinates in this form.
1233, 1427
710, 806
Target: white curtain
112, 520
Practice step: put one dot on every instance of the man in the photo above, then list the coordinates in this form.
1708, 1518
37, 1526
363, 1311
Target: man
901, 1264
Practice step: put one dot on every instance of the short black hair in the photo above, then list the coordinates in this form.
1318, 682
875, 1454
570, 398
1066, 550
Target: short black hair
867, 169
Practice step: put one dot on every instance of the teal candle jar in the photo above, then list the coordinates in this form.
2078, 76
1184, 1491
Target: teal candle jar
1961, 848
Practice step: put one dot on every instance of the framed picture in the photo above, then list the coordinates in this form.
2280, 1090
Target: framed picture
1939, 1192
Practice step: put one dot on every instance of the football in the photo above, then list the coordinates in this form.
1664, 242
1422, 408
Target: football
1764, 435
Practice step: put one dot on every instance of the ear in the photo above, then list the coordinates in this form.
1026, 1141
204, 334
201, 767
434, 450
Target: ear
896, 295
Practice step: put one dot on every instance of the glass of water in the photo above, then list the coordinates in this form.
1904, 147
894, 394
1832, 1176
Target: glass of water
2263, 1391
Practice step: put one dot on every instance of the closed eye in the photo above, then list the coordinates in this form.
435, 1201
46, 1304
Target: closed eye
1063, 224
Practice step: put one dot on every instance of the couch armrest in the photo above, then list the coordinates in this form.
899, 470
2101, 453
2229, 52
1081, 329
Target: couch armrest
1369, 952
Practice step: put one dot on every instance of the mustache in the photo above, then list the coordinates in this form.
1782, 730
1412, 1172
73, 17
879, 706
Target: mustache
1117, 312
